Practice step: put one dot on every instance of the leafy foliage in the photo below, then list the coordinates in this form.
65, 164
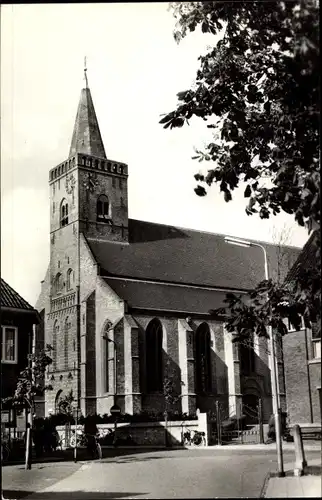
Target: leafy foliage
65, 405
31, 379
257, 88
262, 81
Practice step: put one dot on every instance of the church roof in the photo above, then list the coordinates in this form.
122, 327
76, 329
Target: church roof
306, 259
10, 298
86, 136
166, 297
162, 253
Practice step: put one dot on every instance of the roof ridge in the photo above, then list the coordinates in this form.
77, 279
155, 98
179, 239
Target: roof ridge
212, 233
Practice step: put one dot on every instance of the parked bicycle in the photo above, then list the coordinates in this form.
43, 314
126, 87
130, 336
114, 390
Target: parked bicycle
196, 439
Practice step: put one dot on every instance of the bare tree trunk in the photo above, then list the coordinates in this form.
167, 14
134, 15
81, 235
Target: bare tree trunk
29, 441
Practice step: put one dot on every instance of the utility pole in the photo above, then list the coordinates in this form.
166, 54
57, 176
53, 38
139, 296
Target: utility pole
274, 375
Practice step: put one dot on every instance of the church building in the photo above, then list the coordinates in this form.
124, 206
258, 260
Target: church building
125, 303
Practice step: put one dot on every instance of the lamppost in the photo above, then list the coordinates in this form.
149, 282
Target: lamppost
276, 409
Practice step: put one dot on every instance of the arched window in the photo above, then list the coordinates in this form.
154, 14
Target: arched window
70, 279
63, 213
66, 340
203, 359
153, 342
55, 336
247, 356
58, 284
58, 400
103, 209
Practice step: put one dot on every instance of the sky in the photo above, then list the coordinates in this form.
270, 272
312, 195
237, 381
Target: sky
135, 70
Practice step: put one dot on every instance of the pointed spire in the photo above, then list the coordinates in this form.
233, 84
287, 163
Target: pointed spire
86, 135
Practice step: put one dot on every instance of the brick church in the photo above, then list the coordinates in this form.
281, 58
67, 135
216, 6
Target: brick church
143, 291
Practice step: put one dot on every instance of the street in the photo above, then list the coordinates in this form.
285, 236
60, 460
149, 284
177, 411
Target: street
193, 473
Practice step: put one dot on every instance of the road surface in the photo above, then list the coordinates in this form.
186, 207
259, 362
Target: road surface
193, 473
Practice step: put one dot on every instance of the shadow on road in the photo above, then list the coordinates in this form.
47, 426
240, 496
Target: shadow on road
71, 495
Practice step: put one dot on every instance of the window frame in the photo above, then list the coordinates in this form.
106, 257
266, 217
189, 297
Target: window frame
15, 360
63, 213
202, 349
314, 344
154, 347
103, 209
291, 328
69, 279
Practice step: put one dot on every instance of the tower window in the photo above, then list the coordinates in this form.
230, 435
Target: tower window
120, 184
103, 209
63, 213
70, 280
122, 201
58, 283
113, 182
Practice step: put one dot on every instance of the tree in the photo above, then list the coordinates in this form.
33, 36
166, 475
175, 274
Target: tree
31, 383
257, 88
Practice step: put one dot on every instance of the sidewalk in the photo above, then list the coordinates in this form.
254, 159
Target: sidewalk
290, 486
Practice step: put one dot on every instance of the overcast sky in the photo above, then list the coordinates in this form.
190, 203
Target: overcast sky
135, 69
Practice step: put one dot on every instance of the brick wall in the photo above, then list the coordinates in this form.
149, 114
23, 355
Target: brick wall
296, 377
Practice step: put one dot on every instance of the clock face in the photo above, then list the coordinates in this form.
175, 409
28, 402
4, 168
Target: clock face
91, 181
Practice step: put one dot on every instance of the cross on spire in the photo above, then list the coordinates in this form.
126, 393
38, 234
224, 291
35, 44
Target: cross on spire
85, 72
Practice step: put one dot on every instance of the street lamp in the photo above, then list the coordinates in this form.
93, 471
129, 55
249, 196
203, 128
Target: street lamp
276, 409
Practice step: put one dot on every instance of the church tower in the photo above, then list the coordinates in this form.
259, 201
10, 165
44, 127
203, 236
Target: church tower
88, 194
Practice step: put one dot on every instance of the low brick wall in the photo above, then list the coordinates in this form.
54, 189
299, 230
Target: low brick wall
145, 433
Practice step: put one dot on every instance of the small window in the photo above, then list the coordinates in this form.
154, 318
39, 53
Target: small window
70, 276
113, 182
316, 349
58, 284
103, 209
63, 213
291, 328
122, 201
9, 345
120, 183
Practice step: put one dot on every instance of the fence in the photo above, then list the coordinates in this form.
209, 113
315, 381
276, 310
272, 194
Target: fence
228, 428
138, 433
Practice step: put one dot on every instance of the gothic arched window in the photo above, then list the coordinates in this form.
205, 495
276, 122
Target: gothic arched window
58, 283
247, 356
103, 208
153, 342
63, 213
203, 358
70, 276
66, 340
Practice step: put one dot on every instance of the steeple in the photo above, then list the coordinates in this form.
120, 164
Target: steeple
86, 136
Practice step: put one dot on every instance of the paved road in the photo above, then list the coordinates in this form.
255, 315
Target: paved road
162, 474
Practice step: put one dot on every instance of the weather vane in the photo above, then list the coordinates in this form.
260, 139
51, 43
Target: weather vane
85, 71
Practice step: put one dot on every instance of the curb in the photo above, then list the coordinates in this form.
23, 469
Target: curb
265, 485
